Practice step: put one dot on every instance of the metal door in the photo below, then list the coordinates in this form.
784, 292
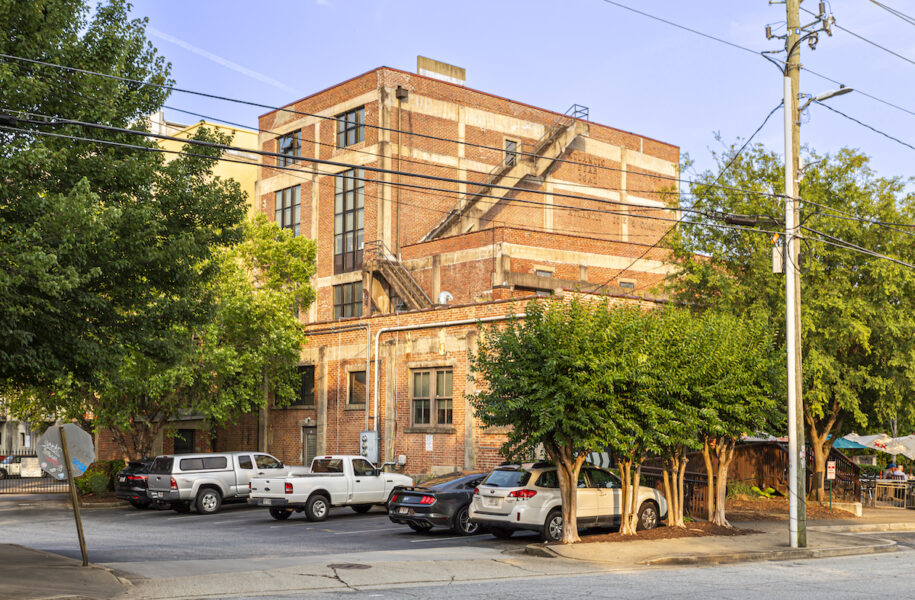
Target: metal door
309, 444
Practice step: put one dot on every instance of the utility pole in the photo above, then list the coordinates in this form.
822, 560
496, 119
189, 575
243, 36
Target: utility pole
797, 507
790, 67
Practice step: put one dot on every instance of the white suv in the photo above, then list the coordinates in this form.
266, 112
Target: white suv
527, 497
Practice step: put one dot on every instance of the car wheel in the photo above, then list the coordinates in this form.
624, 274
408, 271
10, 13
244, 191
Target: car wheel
420, 527
181, 507
361, 508
552, 527
208, 501
280, 514
462, 525
648, 516
316, 508
502, 533
138, 504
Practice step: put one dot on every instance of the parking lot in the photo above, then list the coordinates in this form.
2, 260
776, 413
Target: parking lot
238, 538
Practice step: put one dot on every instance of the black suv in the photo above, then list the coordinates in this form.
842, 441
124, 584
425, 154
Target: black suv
132, 482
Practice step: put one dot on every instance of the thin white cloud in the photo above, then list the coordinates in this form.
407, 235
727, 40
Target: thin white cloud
219, 60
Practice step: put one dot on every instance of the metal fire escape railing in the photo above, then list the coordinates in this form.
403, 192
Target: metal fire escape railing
379, 258
530, 153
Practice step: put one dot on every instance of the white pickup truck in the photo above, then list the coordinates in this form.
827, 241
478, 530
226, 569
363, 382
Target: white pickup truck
334, 481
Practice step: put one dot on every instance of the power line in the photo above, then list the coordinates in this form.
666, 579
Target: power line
829, 239
894, 12
863, 124
318, 116
681, 219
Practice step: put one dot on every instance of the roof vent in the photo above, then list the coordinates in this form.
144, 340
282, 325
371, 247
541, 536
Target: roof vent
439, 70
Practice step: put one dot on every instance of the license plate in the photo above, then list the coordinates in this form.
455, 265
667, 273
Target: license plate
268, 502
490, 501
122, 479
403, 510
154, 494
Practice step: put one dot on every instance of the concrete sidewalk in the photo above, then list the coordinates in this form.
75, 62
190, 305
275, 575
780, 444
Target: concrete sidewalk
28, 574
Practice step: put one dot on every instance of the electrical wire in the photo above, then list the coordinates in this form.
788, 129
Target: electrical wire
864, 39
829, 239
863, 124
896, 13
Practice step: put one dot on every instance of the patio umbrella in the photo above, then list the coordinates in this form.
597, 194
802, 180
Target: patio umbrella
881, 442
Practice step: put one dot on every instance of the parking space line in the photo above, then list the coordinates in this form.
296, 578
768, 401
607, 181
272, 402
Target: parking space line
369, 530
456, 537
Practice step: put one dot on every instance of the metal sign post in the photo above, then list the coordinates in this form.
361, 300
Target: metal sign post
73, 498
67, 456
830, 476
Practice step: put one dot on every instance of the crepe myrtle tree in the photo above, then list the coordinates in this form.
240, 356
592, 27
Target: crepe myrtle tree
563, 379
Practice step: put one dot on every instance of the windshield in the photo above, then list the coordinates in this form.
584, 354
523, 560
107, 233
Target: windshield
507, 478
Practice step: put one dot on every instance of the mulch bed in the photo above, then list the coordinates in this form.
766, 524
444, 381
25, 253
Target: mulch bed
695, 529
90, 499
776, 509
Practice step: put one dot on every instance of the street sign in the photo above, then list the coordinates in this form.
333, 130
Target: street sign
51, 452
830, 470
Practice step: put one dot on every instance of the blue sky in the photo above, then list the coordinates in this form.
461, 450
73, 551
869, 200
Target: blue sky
633, 73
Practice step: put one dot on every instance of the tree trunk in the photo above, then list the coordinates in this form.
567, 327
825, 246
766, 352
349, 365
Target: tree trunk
710, 474
673, 488
625, 467
634, 506
724, 449
681, 476
669, 484
568, 466
821, 441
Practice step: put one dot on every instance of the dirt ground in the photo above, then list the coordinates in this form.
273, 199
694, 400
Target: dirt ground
696, 529
89, 499
776, 509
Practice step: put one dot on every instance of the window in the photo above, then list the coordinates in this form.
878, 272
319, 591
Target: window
161, 466
548, 479
602, 479
185, 441
508, 478
244, 462
362, 467
432, 399
351, 127
197, 464
511, 152
543, 273
288, 205
290, 146
356, 391
348, 221
306, 396
265, 461
348, 300
626, 284
327, 465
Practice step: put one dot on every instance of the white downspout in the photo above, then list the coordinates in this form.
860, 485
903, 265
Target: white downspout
421, 326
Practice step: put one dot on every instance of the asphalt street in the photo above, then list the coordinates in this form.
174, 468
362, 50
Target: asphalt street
847, 578
239, 537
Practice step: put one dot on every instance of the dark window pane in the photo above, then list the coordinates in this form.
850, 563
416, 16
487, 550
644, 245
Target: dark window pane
356, 388
244, 462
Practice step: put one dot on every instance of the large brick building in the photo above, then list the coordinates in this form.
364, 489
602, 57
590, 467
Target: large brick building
529, 202
518, 202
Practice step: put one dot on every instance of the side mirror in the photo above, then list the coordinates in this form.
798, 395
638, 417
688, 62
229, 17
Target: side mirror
280, 466
378, 472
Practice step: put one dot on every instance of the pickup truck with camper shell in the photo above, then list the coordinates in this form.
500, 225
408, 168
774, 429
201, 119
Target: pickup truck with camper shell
205, 481
338, 480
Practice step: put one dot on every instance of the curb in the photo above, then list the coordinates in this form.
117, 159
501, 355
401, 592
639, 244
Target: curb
865, 528
92, 505
738, 557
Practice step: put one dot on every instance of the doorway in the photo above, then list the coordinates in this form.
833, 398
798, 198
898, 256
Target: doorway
309, 444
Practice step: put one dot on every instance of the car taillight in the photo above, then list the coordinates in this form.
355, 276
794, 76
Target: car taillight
476, 491
426, 500
523, 494
395, 497
288, 488
137, 477
174, 484
249, 487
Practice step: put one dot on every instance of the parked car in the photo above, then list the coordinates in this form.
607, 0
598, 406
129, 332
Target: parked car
445, 504
20, 466
133, 483
205, 481
519, 497
333, 481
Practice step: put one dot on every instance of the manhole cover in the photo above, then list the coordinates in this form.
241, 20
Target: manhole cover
348, 566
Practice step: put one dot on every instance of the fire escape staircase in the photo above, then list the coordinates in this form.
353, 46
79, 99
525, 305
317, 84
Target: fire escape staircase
530, 164
379, 259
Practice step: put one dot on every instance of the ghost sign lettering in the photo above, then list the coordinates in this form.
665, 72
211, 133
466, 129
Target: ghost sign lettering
51, 451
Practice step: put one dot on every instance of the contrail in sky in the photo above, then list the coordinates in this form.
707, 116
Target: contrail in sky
219, 60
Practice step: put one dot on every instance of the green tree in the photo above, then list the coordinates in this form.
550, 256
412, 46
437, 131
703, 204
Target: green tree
563, 379
103, 249
857, 325
253, 338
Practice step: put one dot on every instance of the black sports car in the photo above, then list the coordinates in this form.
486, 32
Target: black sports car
132, 482
440, 505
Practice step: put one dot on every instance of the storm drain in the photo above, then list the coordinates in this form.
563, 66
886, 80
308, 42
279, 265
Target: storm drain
348, 566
